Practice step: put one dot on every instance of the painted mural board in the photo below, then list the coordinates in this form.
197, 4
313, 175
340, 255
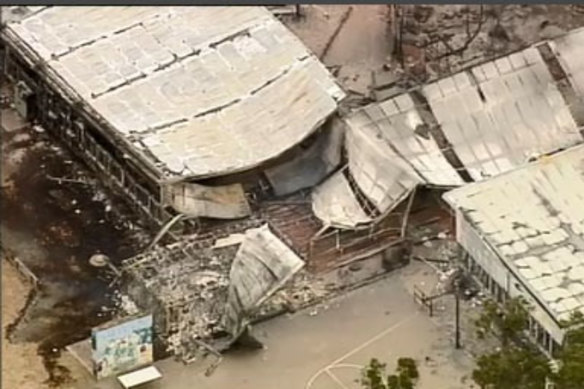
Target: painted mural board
123, 346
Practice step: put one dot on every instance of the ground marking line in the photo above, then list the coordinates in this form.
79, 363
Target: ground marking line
359, 348
341, 365
336, 379
352, 365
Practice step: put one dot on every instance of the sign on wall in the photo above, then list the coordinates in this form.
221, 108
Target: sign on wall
121, 347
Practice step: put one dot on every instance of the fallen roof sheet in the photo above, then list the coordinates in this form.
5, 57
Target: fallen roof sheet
335, 204
568, 48
261, 266
212, 285
219, 202
394, 122
382, 177
200, 91
533, 218
499, 114
379, 174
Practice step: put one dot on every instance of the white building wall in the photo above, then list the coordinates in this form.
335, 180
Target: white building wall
493, 265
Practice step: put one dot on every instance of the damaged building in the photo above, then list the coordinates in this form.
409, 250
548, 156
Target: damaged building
214, 124
157, 97
485, 120
219, 121
522, 233
207, 292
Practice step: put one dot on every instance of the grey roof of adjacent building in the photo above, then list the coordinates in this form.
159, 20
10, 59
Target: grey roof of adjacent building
533, 218
198, 91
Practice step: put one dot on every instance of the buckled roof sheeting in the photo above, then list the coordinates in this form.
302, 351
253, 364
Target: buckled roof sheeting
492, 117
200, 91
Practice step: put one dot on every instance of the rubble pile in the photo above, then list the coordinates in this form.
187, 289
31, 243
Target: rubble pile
302, 290
442, 39
124, 304
186, 287
190, 285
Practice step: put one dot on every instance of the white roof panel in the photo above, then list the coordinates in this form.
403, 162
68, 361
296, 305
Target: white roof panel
201, 91
383, 177
542, 239
335, 204
520, 114
393, 122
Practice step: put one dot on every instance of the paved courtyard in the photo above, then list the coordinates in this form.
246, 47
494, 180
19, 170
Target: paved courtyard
325, 348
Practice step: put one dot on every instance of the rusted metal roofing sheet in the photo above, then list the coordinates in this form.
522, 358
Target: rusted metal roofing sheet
200, 91
533, 218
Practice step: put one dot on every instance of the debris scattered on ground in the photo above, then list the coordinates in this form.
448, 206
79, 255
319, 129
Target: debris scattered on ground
442, 39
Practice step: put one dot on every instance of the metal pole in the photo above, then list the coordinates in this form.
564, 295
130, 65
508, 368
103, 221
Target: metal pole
457, 319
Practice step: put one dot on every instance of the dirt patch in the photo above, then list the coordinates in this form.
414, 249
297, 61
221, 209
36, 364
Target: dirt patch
54, 227
352, 39
22, 367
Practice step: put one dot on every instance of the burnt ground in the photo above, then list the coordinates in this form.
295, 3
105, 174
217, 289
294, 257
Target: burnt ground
53, 228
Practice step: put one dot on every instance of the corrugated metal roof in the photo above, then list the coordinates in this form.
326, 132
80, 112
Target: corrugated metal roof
202, 91
394, 122
501, 113
383, 178
533, 217
493, 117
378, 172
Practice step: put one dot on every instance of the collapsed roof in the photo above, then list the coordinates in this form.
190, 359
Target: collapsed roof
197, 91
208, 288
476, 124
